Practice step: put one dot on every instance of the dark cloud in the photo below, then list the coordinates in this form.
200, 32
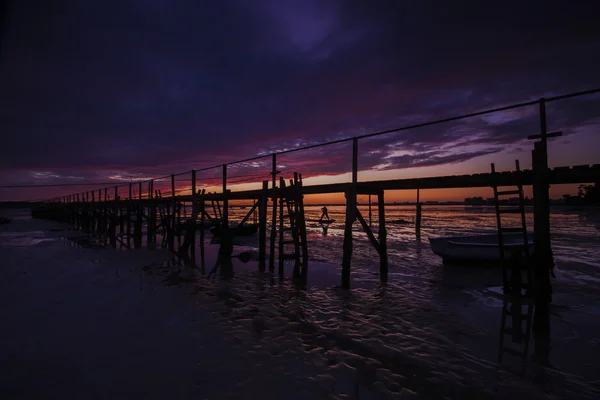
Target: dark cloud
90, 89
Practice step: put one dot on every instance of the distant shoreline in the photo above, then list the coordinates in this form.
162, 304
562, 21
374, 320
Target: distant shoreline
21, 204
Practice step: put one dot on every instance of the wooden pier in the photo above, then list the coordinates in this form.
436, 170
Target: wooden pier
280, 203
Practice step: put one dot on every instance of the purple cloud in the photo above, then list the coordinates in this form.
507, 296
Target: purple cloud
141, 89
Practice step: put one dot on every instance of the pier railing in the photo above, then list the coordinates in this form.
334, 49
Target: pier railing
247, 174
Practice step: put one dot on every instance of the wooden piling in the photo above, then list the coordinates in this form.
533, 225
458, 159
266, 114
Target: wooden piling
262, 224
541, 221
350, 218
274, 214
173, 216
419, 213
281, 226
225, 221
370, 212
202, 215
151, 225
383, 256
194, 208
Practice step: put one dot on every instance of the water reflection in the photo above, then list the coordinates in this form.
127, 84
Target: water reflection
520, 318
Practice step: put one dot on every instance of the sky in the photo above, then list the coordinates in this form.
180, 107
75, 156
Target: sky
118, 91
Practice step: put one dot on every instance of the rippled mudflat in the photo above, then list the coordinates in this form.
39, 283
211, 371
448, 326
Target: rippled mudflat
432, 332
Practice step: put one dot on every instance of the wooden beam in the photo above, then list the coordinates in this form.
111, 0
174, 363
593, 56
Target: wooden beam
254, 206
367, 230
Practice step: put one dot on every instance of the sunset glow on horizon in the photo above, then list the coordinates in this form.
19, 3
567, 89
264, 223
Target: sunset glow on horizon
137, 103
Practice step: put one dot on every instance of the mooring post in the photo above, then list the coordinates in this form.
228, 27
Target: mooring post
419, 213
350, 217
274, 214
383, 256
262, 224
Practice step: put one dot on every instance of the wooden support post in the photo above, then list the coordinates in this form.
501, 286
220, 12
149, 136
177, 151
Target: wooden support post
262, 224
281, 227
194, 208
225, 223
350, 218
370, 212
202, 214
173, 215
383, 256
543, 250
274, 214
140, 190
151, 225
116, 193
367, 230
419, 213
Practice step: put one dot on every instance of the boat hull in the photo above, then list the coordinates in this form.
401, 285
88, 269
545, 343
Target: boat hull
478, 248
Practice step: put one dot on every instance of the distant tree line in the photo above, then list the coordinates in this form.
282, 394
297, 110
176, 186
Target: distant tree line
586, 194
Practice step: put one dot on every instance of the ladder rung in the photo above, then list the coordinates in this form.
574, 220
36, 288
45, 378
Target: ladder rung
508, 192
514, 352
508, 230
510, 211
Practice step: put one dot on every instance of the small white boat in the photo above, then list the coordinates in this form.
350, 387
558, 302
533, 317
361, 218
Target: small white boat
474, 248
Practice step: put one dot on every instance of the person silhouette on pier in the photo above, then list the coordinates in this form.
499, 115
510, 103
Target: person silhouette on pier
324, 214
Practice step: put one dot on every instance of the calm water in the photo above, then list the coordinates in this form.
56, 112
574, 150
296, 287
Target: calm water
575, 235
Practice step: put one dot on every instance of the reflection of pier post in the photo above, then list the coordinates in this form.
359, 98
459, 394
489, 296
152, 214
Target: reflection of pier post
350, 217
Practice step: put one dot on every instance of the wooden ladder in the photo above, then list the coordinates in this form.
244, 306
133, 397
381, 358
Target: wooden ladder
514, 255
291, 209
513, 308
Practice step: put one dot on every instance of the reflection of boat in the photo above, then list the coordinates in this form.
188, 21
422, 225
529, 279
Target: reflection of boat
4, 220
244, 230
482, 247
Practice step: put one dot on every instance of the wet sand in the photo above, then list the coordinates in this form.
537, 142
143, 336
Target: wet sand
100, 323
